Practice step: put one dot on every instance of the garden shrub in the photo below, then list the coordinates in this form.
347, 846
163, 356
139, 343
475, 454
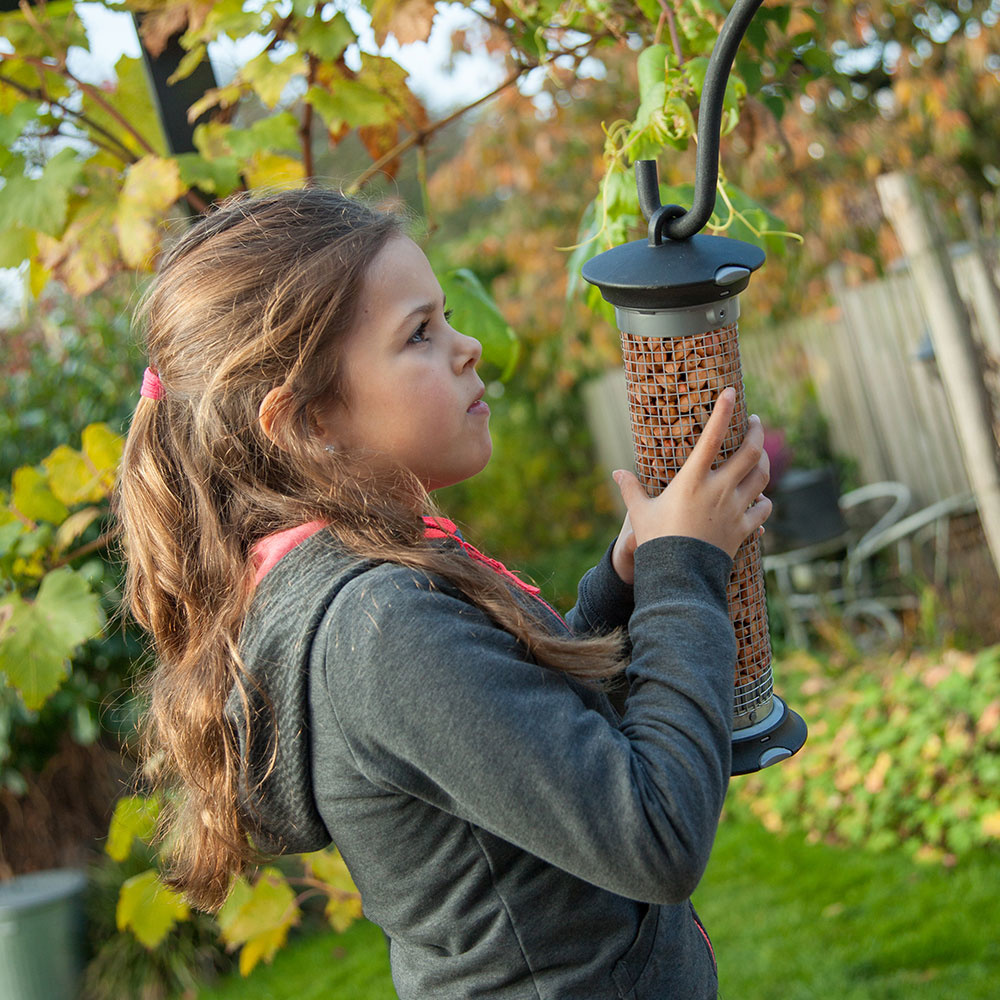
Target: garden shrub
902, 751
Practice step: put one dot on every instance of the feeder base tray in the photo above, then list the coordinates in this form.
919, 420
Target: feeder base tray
778, 736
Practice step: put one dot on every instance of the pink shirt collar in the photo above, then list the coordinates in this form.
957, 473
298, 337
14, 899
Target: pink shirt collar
266, 552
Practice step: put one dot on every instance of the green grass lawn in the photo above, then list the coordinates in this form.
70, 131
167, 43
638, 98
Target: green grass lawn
787, 919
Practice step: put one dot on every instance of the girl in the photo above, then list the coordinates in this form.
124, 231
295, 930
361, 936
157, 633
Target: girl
335, 663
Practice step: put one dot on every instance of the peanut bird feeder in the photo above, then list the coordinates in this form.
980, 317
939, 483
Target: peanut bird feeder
676, 299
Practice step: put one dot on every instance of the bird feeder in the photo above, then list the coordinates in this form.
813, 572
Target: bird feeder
676, 300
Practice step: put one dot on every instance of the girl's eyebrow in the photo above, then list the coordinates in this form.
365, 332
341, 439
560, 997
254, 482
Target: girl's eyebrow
425, 307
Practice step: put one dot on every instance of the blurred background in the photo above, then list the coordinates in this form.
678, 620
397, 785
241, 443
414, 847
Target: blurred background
860, 151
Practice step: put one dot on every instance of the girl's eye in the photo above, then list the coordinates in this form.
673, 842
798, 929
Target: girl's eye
419, 335
447, 314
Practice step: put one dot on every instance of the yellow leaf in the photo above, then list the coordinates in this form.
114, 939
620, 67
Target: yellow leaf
70, 478
264, 946
266, 169
329, 867
259, 917
74, 526
341, 913
103, 448
269, 79
148, 908
408, 20
990, 824
152, 185
87, 253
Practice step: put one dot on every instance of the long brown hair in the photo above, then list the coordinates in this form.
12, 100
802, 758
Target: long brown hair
255, 295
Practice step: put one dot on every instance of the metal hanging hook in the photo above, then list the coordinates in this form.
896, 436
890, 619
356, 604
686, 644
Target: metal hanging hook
671, 220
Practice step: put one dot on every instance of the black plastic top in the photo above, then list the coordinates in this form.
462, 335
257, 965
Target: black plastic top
675, 274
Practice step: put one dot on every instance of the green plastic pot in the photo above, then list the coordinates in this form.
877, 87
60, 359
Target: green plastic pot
42, 935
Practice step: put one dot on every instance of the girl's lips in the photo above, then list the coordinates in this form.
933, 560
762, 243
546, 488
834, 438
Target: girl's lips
479, 406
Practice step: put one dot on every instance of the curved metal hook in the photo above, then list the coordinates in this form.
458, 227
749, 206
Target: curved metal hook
685, 225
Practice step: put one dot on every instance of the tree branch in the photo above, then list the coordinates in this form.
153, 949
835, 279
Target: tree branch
95, 95
85, 550
123, 152
668, 15
305, 129
421, 135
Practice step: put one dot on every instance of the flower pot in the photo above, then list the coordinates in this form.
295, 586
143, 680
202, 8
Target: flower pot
42, 935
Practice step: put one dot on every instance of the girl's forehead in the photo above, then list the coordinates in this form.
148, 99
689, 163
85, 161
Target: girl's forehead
400, 278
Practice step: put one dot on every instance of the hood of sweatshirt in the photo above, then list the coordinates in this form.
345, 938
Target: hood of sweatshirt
270, 713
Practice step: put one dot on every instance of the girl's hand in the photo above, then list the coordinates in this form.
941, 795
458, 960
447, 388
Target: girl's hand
721, 506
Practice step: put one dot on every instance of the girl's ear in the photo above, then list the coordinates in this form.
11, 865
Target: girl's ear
272, 413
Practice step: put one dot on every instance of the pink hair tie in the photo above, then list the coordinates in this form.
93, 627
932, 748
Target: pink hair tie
152, 387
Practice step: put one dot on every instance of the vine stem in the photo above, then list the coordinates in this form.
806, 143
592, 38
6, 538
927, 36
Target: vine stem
39, 94
420, 136
305, 129
85, 550
668, 16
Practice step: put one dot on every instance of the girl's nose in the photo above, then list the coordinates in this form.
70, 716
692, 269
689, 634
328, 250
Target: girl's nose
467, 350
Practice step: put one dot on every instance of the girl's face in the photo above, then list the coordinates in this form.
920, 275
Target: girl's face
410, 385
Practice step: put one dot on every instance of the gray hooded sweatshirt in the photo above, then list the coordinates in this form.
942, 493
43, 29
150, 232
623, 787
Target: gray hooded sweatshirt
515, 837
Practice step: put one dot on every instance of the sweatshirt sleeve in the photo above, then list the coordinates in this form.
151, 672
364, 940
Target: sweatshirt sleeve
604, 601
437, 702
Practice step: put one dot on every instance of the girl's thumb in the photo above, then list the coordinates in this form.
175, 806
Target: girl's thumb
628, 484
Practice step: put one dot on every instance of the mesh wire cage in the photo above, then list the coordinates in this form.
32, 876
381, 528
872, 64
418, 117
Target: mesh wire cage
676, 305
672, 384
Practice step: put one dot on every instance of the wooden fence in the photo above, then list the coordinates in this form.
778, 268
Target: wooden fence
886, 407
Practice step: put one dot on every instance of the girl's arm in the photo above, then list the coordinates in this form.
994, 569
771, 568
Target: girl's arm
434, 701
604, 602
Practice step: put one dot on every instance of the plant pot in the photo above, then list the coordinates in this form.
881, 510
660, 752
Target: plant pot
806, 509
42, 935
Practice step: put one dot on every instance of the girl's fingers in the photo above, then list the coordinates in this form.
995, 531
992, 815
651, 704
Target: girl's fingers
755, 481
749, 456
709, 444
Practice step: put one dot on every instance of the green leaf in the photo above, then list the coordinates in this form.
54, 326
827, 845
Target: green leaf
13, 122
476, 314
41, 635
32, 496
17, 245
260, 920
188, 64
275, 132
269, 79
10, 532
651, 66
326, 39
149, 909
350, 103
40, 203
132, 99
134, 819
219, 176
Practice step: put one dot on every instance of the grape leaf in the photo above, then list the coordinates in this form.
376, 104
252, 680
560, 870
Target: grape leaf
32, 496
40, 203
475, 313
103, 448
260, 920
326, 39
409, 20
151, 186
148, 908
134, 819
42, 634
70, 478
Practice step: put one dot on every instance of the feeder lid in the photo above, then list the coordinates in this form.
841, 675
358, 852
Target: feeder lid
675, 273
